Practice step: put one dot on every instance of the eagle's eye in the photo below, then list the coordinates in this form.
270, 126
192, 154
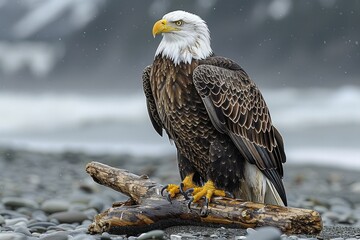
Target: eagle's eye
179, 23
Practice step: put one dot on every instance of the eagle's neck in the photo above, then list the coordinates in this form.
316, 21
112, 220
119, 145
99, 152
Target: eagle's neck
184, 49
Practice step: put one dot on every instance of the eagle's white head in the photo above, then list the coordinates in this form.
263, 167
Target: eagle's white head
185, 37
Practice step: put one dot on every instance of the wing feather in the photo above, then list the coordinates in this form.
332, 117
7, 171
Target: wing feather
237, 108
150, 101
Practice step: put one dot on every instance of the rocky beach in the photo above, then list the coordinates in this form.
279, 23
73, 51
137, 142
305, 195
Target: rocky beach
50, 196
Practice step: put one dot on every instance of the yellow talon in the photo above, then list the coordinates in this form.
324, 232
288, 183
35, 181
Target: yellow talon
174, 189
208, 190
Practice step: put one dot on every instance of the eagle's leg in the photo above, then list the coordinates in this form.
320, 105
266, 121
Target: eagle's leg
223, 174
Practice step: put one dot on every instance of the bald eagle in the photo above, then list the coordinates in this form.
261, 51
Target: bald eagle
216, 116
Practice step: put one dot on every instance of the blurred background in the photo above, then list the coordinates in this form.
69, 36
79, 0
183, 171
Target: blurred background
70, 72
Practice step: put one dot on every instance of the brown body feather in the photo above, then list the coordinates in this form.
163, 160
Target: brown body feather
218, 120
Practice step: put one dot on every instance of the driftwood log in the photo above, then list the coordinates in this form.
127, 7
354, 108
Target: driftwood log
147, 209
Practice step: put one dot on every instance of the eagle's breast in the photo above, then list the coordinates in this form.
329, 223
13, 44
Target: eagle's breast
180, 108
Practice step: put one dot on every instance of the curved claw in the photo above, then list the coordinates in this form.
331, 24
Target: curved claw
181, 187
189, 203
189, 192
163, 189
168, 197
204, 211
229, 194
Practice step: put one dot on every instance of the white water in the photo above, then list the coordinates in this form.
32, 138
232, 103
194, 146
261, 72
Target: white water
319, 126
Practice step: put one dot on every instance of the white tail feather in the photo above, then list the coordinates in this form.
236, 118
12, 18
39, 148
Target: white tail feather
258, 188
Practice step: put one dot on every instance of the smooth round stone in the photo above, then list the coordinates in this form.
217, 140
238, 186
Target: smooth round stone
292, 237
66, 226
39, 215
55, 236
55, 205
12, 214
355, 187
320, 209
240, 237
331, 216
38, 229
2, 220
91, 213
155, 234
96, 203
12, 236
83, 237
341, 209
69, 216
268, 233
41, 224
25, 210
78, 207
12, 222
23, 229
175, 237
16, 202
338, 201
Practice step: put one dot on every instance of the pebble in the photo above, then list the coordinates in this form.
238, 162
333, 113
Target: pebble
23, 229
2, 220
11, 222
268, 233
175, 237
12, 236
56, 236
16, 202
69, 216
39, 215
55, 205
97, 204
154, 234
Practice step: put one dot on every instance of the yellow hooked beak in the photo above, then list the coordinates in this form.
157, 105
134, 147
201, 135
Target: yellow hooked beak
162, 26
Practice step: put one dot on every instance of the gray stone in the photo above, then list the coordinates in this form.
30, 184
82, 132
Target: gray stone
268, 233
175, 237
341, 209
78, 207
2, 220
96, 203
90, 213
292, 237
12, 236
355, 187
22, 229
155, 234
55, 205
250, 230
83, 237
69, 216
16, 202
320, 209
240, 237
39, 215
56, 236
12, 222
38, 229
41, 224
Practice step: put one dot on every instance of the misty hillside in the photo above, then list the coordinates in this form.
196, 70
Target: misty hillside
94, 45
